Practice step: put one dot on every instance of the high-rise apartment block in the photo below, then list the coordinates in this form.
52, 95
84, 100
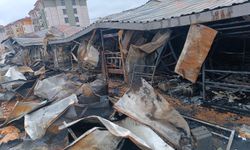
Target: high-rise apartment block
48, 13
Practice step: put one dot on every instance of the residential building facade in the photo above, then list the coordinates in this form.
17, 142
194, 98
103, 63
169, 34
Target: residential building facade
48, 13
2, 37
19, 27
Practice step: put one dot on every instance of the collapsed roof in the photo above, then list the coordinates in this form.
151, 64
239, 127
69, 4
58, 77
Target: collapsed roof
53, 33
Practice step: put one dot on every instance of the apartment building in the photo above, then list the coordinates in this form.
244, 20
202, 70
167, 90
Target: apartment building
48, 13
19, 27
2, 33
2, 37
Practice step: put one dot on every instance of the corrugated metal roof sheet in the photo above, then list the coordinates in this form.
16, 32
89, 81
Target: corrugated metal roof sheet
165, 9
29, 41
36, 38
157, 14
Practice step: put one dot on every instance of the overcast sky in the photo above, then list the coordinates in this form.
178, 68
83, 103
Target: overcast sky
11, 10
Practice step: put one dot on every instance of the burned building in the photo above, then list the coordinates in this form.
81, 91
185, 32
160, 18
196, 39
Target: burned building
196, 40
37, 48
147, 62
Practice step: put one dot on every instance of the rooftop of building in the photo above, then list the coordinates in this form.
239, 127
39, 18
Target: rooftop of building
37, 38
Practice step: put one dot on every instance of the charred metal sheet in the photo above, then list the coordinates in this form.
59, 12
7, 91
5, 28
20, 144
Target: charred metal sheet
21, 57
9, 133
244, 132
20, 109
102, 108
62, 58
40, 71
88, 55
99, 87
12, 74
39, 38
149, 107
7, 96
95, 139
35, 54
26, 89
4, 69
12, 85
199, 41
114, 129
37, 122
145, 133
158, 41
55, 88
91, 92
137, 54
24, 69
124, 42
49, 142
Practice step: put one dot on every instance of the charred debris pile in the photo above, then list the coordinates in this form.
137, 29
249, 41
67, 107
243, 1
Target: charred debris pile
107, 90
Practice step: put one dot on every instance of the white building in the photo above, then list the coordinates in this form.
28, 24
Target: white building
48, 13
2, 37
19, 27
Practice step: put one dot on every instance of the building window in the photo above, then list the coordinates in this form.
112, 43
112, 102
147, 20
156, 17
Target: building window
63, 2
64, 11
66, 20
73, 2
77, 19
75, 11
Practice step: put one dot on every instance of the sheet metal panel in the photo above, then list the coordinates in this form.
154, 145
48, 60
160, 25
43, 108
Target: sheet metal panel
148, 107
37, 123
199, 41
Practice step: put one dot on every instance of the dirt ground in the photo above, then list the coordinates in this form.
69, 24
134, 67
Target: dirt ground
226, 119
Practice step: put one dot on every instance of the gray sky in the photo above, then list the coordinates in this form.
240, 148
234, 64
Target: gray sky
11, 10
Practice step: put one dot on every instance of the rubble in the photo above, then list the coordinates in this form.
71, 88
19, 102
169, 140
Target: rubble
36, 123
7, 96
145, 133
124, 129
244, 132
40, 71
199, 41
9, 133
148, 87
59, 87
21, 109
137, 54
48, 142
12, 74
150, 108
95, 139
88, 56
203, 138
